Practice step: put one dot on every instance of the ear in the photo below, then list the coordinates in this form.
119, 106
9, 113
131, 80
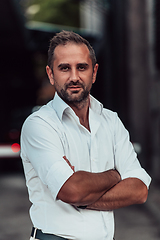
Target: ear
50, 74
95, 72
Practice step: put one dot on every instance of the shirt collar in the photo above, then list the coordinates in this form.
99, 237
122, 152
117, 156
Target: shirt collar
95, 105
60, 106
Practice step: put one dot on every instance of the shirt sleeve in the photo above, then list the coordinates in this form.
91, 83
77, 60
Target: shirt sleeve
126, 161
42, 147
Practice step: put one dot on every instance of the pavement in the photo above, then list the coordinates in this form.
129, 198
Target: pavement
140, 222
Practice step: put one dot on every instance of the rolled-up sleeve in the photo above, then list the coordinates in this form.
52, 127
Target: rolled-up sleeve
42, 148
126, 160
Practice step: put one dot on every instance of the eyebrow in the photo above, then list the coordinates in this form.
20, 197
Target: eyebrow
83, 64
63, 65
68, 65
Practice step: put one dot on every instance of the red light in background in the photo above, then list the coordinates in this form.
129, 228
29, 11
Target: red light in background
15, 147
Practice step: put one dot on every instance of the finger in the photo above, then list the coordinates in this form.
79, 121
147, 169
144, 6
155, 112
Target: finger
67, 161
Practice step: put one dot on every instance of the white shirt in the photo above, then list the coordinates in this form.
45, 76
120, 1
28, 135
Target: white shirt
54, 131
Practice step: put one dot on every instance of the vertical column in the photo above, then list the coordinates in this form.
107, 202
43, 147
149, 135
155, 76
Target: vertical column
139, 74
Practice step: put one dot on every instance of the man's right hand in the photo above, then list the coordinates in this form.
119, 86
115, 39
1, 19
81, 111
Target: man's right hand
68, 162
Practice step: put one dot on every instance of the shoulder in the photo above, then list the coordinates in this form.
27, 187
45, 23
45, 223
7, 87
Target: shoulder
45, 116
109, 115
113, 121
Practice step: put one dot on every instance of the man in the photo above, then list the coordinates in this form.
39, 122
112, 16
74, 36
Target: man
78, 161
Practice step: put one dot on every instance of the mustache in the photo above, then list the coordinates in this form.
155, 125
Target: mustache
72, 83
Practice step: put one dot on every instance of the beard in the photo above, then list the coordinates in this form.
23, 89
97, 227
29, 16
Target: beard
75, 96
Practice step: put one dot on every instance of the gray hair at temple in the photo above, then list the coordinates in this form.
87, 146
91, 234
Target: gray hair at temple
64, 37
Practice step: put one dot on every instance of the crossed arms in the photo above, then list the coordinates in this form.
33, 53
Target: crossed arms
102, 191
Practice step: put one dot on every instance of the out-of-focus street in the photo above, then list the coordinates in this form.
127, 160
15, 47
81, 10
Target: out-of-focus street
14, 205
139, 222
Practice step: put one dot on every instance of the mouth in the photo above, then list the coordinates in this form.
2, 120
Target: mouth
74, 88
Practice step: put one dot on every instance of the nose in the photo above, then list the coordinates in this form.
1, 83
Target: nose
74, 75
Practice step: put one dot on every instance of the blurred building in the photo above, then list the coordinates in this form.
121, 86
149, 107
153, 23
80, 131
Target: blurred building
93, 15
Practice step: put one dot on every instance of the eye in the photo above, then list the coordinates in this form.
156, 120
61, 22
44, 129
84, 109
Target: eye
82, 67
64, 68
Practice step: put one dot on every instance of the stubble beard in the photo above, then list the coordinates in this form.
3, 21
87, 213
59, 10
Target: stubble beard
74, 98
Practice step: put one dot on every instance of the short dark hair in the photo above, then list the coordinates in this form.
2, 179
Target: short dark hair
62, 38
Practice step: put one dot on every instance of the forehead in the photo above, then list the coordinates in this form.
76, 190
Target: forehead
72, 52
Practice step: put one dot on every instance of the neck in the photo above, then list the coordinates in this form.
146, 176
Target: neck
81, 109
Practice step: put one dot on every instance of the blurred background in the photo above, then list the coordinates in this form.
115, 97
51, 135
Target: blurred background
126, 36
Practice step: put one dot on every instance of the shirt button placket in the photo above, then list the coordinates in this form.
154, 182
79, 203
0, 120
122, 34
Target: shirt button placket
94, 156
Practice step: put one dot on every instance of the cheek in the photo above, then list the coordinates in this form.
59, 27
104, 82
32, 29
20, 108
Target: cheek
61, 77
86, 76
59, 83
56, 84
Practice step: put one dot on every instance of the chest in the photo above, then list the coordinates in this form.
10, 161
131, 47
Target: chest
89, 151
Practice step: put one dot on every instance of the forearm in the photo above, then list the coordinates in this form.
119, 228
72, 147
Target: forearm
84, 188
127, 192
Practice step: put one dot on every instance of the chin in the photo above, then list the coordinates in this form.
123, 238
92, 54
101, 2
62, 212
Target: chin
79, 98
72, 97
